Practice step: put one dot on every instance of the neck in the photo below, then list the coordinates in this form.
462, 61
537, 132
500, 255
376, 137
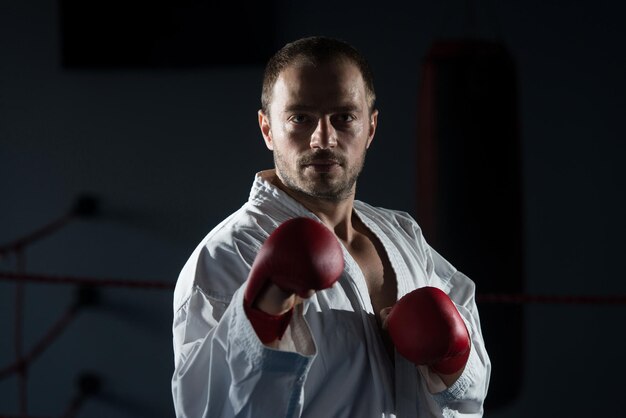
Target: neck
336, 215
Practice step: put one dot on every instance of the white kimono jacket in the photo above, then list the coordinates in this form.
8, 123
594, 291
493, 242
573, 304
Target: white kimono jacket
331, 361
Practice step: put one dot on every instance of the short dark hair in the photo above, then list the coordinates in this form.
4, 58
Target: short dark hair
316, 49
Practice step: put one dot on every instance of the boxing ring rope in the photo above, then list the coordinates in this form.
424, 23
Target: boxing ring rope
85, 281
504, 298
523, 298
89, 385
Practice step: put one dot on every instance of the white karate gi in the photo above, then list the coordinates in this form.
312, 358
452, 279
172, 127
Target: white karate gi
332, 361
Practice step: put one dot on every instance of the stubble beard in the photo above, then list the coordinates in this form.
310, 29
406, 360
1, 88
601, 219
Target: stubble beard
325, 186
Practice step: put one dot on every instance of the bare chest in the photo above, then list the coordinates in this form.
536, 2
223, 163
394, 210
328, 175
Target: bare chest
379, 276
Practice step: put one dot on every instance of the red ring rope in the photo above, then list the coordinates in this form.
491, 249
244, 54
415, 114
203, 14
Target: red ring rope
44, 278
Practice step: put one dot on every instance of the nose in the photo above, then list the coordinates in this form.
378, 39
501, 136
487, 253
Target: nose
324, 136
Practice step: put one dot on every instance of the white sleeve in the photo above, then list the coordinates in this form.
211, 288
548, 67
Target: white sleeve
223, 370
466, 396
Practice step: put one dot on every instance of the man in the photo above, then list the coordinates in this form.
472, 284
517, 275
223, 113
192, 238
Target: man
248, 343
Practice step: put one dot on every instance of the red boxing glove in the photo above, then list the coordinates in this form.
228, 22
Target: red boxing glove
427, 329
299, 256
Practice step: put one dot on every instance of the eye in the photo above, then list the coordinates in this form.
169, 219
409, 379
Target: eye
298, 119
344, 117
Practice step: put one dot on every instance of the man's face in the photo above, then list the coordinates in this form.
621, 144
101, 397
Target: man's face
319, 128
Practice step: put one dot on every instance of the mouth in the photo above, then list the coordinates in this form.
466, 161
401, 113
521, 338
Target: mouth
322, 165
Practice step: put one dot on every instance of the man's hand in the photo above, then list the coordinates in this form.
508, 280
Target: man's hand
299, 258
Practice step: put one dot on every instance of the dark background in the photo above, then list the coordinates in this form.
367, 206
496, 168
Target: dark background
170, 144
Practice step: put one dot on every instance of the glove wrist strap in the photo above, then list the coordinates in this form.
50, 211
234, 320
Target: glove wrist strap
268, 327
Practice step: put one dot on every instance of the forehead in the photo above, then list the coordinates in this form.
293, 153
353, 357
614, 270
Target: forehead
331, 84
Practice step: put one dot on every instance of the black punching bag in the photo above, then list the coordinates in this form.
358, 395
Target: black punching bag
469, 187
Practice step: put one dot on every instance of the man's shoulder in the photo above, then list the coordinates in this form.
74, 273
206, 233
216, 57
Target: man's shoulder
222, 260
247, 224
393, 217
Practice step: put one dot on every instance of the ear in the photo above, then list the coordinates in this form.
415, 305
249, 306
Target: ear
372, 126
266, 130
